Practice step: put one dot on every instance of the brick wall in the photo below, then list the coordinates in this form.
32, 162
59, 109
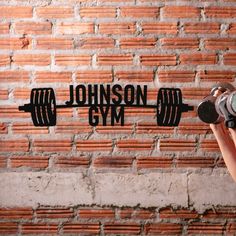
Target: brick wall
136, 179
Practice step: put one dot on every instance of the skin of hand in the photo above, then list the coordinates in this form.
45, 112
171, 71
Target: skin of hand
233, 135
227, 146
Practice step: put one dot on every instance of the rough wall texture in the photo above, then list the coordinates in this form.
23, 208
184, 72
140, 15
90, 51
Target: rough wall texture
136, 179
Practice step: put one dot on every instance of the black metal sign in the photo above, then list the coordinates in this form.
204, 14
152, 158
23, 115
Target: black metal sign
106, 99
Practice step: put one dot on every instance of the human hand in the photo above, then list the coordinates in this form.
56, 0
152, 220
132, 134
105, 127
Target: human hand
219, 128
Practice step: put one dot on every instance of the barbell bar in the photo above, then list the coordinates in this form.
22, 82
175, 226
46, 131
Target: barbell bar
43, 106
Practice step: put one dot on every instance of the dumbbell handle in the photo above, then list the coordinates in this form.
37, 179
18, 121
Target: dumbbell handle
27, 107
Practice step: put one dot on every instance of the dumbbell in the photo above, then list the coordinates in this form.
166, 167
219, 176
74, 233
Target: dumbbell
43, 106
219, 106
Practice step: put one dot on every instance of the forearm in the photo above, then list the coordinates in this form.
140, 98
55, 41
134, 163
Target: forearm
233, 134
227, 147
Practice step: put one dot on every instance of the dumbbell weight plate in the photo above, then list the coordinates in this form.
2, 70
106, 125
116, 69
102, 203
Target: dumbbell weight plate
43, 110
231, 103
222, 87
169, 107
180, 107
207, 111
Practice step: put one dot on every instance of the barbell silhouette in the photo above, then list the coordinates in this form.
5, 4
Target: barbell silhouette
43, 106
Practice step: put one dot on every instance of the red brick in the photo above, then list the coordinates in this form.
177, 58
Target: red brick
230, 59
75, 28
3, 162
137, 112
232, 29
116, 28
205, 228
16, 12
117, 128
39, 228
4, 28
4, 60
220, 212
159, 28
72, 60
135, 145
122, 228
171, 213
217, 76
3, 94
198, 59
113, 162
126, 43
115, 59
193, 128
72, 127
144, 214
163, 228
220, 12
85, 228
3, 128
195, 162
53, 77
220, 163
29, 161
94, 76
21, 93
152, 95
9, 76
201, 28
195, 93
154, 162
54, 43
140, 11
54, 12
179, 43
220, 43
153, 128
181, 12
28, 128
32, 59
96, 213
14, 145
174, 76
98, 12
66, 112
98, 43
16, 213
126, 213
231, 228
47, 213
52, 145
190, 114
8, 228
72, 162
177, 145
62, 94
158, 60
12, 111
94, 145
34, 28
208, 145
135, 76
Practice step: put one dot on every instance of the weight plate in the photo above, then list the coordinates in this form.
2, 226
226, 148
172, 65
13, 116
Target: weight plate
43, 102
